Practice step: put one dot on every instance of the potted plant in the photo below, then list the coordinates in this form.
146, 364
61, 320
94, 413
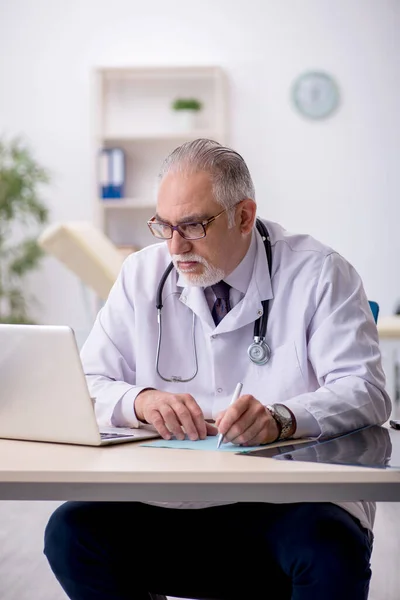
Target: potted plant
21, 211
186, 110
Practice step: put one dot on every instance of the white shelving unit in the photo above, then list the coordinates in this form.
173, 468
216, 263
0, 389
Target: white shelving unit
132, 111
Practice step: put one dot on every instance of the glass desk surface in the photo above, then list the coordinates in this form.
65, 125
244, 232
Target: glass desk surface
373, 446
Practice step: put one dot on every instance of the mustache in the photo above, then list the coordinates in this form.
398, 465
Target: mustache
189, 257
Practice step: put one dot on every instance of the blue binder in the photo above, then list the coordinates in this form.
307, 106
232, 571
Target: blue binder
112, 173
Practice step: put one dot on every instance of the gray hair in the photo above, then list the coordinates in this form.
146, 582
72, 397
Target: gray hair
231, 179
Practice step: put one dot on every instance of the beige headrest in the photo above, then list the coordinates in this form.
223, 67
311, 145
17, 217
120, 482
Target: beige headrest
86, 251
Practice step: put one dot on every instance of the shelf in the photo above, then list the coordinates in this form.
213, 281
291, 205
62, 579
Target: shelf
125, 203
161, 72
133, 111
162, 137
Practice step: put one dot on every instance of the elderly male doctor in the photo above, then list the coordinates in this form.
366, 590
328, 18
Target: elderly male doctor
323, 377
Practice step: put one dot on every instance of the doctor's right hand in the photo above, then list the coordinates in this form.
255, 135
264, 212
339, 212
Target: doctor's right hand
173, 415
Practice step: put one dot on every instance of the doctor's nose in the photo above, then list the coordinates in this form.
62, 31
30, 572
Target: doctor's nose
178, 244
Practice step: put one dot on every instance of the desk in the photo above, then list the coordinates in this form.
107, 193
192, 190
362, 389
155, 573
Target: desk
389, 327
43, 471
389, 335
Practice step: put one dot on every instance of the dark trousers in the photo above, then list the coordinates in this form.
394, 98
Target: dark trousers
246, 551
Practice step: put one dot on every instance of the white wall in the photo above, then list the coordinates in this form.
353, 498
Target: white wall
338, 180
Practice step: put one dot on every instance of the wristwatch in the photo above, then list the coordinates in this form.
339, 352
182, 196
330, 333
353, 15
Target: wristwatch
285, 419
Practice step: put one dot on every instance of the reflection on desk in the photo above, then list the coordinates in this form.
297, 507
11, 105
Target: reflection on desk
374, 446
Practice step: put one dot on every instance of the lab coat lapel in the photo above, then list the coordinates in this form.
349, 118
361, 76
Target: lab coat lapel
195, 299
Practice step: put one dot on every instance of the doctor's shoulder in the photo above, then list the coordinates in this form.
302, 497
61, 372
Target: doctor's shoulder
297, 247
304, 252
297, 241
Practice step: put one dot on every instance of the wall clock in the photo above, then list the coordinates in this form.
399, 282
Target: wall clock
315, 95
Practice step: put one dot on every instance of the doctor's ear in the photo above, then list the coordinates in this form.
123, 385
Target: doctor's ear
246, 215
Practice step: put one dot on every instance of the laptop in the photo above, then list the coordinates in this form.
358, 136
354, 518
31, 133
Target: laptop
43, 391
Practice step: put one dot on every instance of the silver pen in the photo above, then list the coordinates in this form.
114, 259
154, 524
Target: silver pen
235, 396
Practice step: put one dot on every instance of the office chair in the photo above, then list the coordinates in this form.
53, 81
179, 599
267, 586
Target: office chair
375, 309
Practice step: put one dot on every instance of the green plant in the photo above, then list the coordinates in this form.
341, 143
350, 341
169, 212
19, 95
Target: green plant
21, 209
186, 104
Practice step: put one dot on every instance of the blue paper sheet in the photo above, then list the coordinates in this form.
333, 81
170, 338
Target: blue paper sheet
210, 443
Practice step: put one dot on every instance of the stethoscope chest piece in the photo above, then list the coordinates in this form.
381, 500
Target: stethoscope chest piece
259, 352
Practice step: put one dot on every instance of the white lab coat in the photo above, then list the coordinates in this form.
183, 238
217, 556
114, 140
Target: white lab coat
325, 363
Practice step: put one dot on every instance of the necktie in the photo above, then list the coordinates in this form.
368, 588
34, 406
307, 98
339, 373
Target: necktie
221, 305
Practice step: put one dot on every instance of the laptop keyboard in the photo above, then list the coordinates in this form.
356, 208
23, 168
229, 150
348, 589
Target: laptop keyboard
111, 436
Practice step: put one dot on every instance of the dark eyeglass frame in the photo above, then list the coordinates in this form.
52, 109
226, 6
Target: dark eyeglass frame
173, 228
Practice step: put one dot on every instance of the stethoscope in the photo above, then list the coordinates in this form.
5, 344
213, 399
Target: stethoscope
258, 351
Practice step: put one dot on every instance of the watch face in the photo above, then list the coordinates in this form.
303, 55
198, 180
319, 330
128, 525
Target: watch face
282, 411
315, 95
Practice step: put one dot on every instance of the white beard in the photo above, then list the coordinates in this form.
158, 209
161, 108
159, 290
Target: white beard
210, 276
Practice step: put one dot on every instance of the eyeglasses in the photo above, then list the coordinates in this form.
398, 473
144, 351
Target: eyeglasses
189, 231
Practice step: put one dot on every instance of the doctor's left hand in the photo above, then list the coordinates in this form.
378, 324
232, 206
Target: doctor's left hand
247, 422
